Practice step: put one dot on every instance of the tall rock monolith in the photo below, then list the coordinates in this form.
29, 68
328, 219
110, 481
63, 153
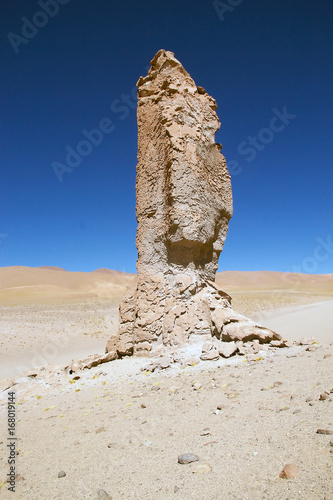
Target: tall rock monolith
183, 208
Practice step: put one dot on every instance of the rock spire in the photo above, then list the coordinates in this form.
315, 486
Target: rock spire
183, 207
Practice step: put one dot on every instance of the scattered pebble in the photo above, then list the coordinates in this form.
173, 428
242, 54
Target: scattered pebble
323, 396
202, 468
284, 408
324, 431
99, 430
176, 489
102, 494
289, 471
187, 458
61, 473
205, 432
210, 442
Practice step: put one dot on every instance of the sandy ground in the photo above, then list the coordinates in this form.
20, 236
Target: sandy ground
312, 320
120, 428
34, 335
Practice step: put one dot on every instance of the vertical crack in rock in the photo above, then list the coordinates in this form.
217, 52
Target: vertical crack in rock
183, 208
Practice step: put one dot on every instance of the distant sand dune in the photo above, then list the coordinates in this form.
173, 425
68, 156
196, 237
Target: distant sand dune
270, 280
51, 268
42, 284
26, 284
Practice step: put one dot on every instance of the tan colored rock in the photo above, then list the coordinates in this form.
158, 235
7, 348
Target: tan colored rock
202, 468
209, 352
91, 361
307, 341
227, 349
247, 331
183, 208
289, 471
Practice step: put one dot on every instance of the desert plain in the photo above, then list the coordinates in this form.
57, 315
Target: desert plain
118, 428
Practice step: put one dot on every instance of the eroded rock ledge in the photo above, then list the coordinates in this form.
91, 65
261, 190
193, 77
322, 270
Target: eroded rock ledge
183, 207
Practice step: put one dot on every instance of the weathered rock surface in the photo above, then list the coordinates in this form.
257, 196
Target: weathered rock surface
184, 204
91, 361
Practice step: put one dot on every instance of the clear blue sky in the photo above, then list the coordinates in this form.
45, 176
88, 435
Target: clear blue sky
71, 72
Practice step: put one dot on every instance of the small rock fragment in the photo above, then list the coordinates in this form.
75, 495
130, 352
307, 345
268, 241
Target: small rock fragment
327, 356
307, 341
196, 386
209, 352
284, 408
324, 431
227, 349
241, 348
61, 473
289, 471
165, 362
323, 396
280, 343
187, 458
75, 366
102, 494
99, 430
205, 432
202, 468
192, 361
176, 489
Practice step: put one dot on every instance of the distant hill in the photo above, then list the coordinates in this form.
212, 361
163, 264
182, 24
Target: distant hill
272, 280
51, 268
27, 284
42, 284
109, 271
